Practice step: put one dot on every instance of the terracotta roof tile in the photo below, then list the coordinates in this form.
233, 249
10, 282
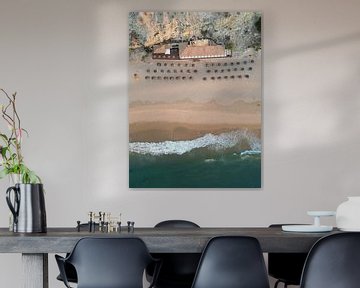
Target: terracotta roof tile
202, 51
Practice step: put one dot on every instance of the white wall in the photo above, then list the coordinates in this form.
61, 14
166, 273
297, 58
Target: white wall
68, 62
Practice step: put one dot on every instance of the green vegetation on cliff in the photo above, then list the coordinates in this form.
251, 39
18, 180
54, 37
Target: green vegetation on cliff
236, 30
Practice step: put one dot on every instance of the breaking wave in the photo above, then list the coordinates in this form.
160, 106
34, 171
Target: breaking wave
223, 141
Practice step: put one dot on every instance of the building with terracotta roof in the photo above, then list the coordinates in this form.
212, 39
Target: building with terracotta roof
209, 51
198, 49
166, 51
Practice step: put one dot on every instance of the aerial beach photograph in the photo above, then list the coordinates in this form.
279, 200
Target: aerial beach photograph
195, 100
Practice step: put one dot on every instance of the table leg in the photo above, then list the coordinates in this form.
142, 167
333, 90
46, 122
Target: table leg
35, 270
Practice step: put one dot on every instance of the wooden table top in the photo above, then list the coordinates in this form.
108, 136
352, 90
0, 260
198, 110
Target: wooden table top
158, 240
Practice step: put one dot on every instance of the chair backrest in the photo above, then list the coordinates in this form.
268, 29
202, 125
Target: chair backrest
287, 267
176, 224
232, 262
178, 269
333, 262
110, 262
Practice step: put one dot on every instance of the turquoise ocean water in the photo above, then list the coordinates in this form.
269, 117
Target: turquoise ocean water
228, 160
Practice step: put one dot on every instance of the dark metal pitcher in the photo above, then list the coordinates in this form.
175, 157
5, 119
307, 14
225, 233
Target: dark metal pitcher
28, 207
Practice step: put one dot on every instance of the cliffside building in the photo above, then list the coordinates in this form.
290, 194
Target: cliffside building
197, 49
166, 51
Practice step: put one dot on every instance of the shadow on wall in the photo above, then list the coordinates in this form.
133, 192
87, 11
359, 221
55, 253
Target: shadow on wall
309, 47
310, 120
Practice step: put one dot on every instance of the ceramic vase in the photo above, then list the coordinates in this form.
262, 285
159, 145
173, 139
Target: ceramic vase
348, 214
27, 204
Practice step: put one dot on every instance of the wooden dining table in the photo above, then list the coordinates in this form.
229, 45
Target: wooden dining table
35, 247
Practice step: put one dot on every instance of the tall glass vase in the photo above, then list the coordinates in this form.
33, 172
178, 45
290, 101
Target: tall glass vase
13, 179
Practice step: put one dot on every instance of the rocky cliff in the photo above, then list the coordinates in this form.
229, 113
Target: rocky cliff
236, 30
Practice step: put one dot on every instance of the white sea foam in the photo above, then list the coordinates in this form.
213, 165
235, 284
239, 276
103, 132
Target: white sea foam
215, 142
250, 152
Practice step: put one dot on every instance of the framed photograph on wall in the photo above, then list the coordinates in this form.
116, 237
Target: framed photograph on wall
195, 99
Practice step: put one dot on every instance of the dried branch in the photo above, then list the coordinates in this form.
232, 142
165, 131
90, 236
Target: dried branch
11, 156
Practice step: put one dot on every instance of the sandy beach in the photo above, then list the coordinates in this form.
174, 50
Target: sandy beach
188, 120
183, 100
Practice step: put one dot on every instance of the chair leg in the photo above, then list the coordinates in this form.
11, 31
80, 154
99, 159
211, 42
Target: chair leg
278, 282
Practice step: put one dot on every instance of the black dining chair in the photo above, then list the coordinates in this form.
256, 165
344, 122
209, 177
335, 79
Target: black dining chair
285, 267
178, 269
232, 262
69, 269
108, 263
333, 262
